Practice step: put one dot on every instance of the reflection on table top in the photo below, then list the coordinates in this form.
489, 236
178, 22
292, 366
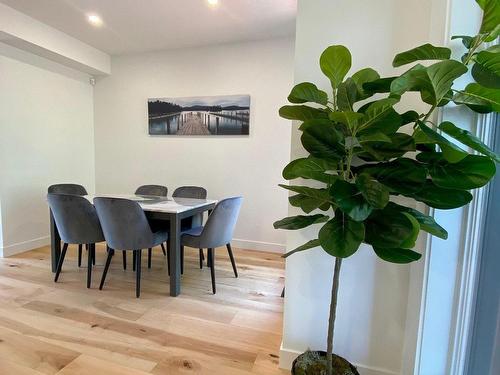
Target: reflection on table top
160, 204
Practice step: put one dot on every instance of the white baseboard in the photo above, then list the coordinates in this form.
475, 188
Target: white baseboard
20, 247
287, 356
257, 245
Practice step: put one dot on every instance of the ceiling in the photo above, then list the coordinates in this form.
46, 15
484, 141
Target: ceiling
132, 26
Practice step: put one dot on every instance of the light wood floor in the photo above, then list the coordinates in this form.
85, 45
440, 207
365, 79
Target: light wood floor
63, 328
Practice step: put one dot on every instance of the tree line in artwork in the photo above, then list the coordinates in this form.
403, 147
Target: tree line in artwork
158, 108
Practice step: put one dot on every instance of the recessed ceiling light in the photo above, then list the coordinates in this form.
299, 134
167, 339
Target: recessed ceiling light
213, 2
94, 19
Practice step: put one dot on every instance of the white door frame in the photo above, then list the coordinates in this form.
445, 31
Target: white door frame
465, 227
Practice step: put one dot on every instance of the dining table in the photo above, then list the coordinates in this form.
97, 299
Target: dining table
167, 210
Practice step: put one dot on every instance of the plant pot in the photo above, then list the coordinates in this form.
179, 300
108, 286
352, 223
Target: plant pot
314, 363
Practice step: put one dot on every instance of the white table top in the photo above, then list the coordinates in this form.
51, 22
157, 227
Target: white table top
160, 204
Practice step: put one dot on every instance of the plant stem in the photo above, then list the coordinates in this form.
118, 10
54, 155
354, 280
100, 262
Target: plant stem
473, 49
428, 114
333, 311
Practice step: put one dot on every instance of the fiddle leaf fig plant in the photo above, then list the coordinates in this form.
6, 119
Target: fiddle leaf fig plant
363, 152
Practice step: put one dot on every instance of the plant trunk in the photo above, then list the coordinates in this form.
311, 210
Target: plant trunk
333, 310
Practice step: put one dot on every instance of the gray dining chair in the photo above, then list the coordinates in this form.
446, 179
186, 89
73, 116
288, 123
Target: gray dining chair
77, 223
150, 190
154, 190
126, 227
195, 192
218, 231
72, 189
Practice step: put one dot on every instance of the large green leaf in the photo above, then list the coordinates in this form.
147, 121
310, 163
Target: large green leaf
310, 168
395, 255
362, 77
409, 117
323, 140
472, 172
381, 85
308, 245
451, 151
307, 92
335, 62
423, 52
479, 98
442, 198
427, 223
486, 70
467, 40
300, 221
494, 48
341, 236
373, 137
468, 139
309, 204
348, 118
347, 93
320, 194
398, 145
389, 228
377, 111
302, 112
350, 200
491, 18
376, 194
403, 175
433, 82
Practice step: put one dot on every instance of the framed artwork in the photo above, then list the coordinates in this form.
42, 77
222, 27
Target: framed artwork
199, 115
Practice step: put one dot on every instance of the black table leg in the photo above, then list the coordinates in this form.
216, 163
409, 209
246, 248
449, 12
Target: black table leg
55, 243
175, 259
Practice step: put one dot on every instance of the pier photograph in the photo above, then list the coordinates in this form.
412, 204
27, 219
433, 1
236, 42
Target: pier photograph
200, 115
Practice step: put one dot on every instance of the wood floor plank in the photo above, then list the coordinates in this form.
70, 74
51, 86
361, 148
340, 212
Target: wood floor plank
10, 367
86, 365
149, 333
65, 328
32, 353
259, 320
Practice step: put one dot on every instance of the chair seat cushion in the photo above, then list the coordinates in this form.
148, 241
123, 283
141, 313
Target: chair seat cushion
191, 237
159, 237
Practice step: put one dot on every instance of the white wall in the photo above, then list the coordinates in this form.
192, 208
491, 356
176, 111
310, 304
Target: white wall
126, 156
46, 137
373, 298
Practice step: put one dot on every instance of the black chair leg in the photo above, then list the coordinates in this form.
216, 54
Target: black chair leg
138, 273
149, 257
163, 249
61, 260
233, 263
111, 252
211, 258
80, 248
90, 258
93, 254
124, 254
202, 254
182, 260
283, 293
134, 260
201, 259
